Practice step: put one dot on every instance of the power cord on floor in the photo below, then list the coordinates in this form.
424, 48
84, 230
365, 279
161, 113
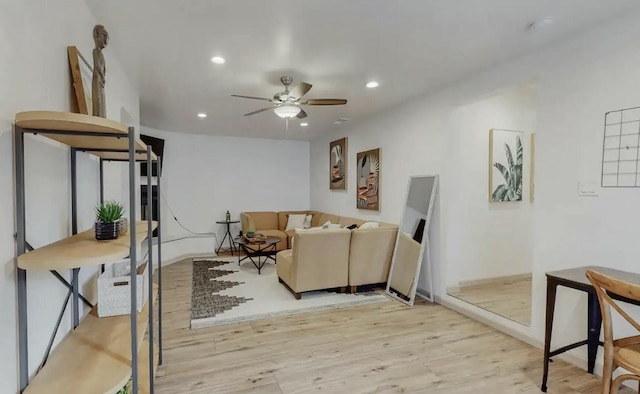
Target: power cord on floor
201, 235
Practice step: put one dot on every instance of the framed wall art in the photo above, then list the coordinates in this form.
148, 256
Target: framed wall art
368, 191
338, 164
506, 158
81, 77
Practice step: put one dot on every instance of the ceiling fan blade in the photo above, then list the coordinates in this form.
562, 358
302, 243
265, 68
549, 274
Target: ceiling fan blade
324, 102
301, 114
251, 97
300, 90
258, 111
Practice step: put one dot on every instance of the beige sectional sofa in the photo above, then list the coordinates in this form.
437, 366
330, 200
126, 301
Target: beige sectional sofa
322, 253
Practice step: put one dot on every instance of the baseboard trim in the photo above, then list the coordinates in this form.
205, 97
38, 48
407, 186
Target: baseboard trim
489, 281
186, 256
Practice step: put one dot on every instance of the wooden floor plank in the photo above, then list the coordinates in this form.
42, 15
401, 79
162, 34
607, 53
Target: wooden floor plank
377, 348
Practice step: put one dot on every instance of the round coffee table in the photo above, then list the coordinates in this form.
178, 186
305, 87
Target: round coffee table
266, 249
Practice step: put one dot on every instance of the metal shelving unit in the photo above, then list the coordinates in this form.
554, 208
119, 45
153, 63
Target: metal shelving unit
97, 356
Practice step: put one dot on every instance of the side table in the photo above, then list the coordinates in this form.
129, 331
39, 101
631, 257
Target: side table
232, 245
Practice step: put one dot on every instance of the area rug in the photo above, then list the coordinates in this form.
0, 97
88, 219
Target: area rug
225, 293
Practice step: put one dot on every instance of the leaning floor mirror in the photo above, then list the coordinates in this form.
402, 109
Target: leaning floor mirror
412, 246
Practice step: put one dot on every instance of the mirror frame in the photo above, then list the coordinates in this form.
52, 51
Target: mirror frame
424, 245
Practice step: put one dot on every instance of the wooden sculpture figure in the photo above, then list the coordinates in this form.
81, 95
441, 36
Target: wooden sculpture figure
101, 39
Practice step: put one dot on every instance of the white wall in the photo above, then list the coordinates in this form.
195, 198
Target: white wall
578, 81
34, 35
494, 240
204, 176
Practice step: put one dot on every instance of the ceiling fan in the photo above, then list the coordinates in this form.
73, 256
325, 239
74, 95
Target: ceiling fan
287, 104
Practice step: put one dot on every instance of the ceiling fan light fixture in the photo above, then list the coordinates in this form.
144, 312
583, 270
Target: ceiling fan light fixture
287, 111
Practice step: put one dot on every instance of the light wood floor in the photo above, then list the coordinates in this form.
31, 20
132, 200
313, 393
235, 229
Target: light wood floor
381, 348
510, 298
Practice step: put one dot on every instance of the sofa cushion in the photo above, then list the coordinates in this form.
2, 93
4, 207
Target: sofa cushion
283, 217
324, 217
264, 220
366, 225
295, 221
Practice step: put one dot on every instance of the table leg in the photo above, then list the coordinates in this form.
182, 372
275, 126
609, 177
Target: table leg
594, 325
551, 305
222, 242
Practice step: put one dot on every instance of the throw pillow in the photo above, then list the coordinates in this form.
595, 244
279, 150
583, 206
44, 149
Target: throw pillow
369, 225
334, 225
307, 221
295, 221
326, 224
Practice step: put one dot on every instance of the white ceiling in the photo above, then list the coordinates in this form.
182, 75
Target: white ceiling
408, 46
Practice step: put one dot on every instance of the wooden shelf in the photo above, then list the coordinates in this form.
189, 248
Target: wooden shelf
95, 358
81, 250
70, 122
123, 156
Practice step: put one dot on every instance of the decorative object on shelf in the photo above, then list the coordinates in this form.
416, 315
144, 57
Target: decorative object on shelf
505, 169
101, 39
114, 289
107, 216
227, 216
123, 225
338, 164
81, 75
621, 144
250, 233
368, 191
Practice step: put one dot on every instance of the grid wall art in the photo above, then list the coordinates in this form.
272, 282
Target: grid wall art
621, 148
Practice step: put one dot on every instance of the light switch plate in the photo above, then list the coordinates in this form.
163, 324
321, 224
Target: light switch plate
587, 189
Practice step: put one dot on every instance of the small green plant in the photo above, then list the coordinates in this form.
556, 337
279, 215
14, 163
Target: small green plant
109, 212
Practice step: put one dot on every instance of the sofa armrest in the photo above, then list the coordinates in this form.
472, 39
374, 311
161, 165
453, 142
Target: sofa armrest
320, 259
247, 222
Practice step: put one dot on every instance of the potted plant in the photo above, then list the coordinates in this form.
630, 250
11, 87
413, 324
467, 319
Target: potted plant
250, 233
107, 216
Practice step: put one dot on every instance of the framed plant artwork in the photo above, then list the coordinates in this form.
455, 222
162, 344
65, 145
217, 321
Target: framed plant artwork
81, 76
338, 164
368, 191
506, 158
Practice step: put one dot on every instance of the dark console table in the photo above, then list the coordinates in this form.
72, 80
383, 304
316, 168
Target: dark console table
575, 278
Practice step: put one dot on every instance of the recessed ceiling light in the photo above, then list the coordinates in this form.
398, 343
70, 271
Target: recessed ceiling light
202, 115
304, 124
218, 60
372, 84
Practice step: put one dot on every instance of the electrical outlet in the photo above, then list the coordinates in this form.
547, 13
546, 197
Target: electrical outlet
587, 189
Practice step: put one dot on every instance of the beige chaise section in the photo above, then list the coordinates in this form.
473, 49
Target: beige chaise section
404, 271
318, 260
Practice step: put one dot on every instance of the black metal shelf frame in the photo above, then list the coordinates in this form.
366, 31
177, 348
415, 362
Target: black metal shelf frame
73, 288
